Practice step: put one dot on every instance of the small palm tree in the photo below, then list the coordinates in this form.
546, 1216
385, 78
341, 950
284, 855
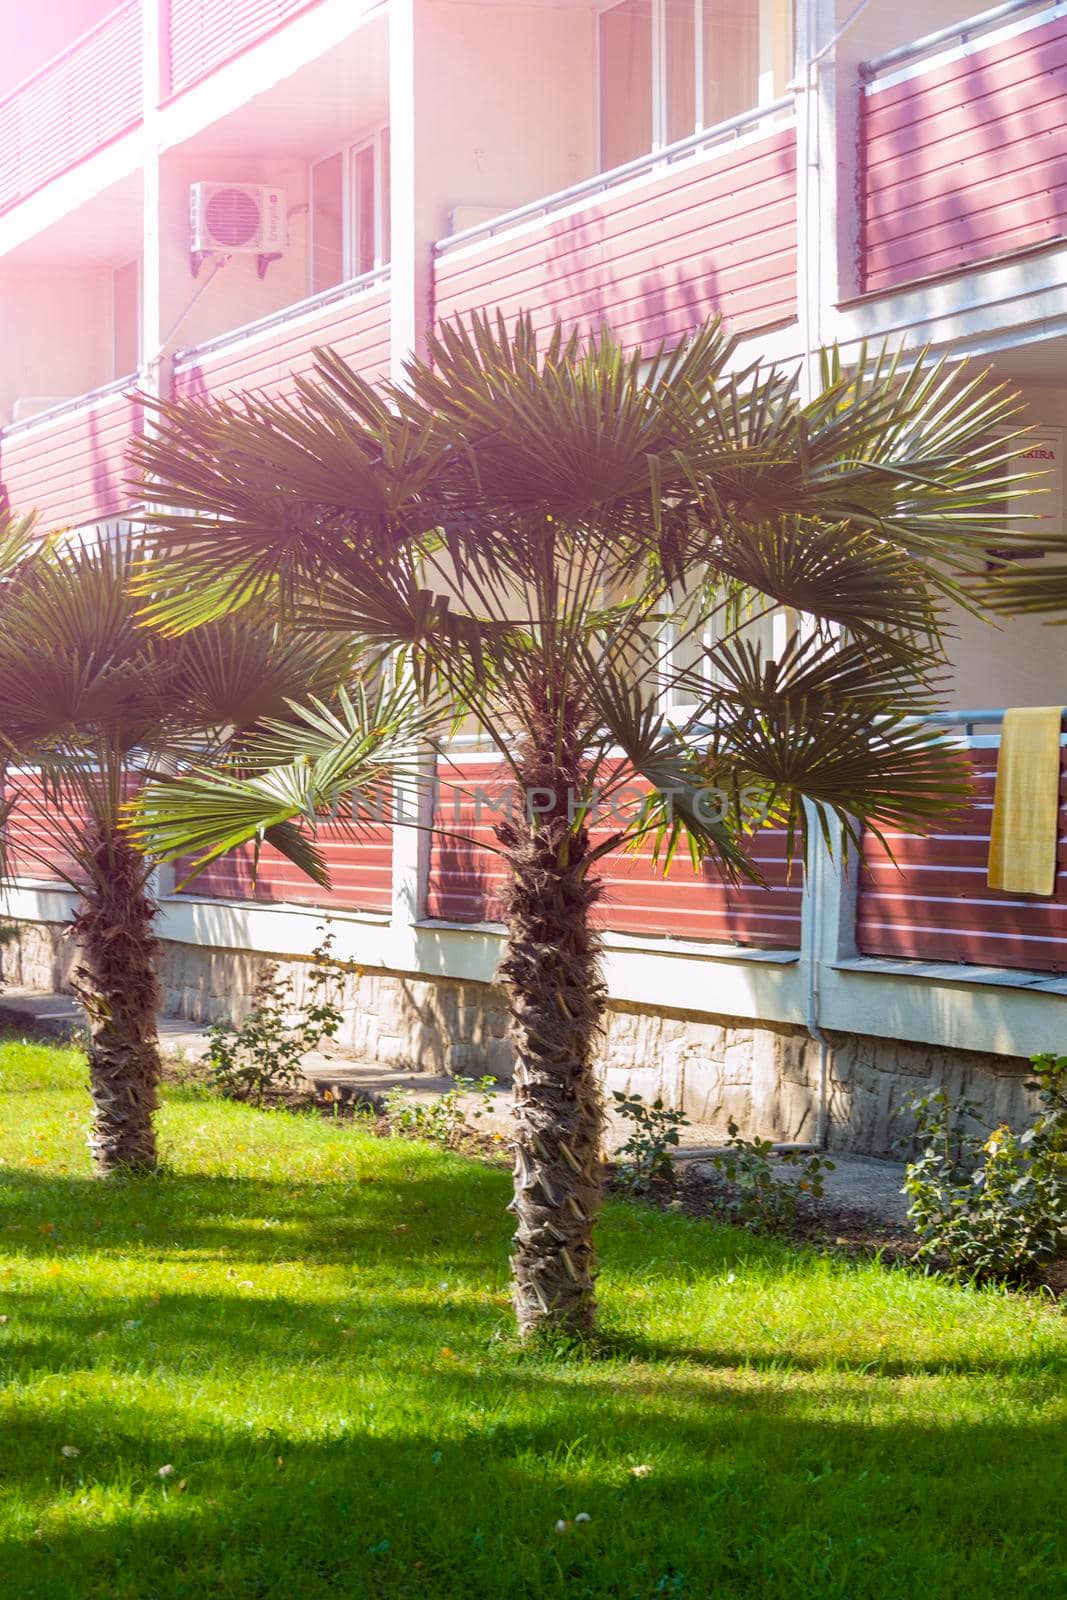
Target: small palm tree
540, 539
90, 704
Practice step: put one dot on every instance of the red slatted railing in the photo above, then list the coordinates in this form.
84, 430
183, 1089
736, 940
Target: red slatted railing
965, 158
206, 33
266, 356
935, 904
69, 464
361, 873
80, 101
651, 254
466, 878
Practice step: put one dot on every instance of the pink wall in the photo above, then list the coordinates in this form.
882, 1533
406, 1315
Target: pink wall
82, 101
466, 880
71, 469
357, 327
651, 257
967, 159
205, 33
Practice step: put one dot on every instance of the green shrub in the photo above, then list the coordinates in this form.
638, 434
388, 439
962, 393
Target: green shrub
265, 1052
993, 1205
646, 1155
441, 1120
762, 1201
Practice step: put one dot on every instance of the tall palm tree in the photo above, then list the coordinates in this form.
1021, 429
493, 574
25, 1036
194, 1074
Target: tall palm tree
90, 704
541, 539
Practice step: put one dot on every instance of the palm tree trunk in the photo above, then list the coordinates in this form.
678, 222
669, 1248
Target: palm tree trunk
117, 982
551, 970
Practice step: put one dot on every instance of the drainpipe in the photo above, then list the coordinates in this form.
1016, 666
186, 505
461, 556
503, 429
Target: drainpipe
816, 875
806, 82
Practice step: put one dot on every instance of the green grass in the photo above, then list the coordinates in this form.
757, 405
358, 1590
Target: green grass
311, 1327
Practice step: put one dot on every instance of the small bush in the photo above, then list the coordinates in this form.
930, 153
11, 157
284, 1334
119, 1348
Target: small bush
265, 1052
761, 1200
441, 1120
646, 1155
992, 1205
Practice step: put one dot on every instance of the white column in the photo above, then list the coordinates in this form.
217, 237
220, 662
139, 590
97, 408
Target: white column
154, 46
411, 289
411, 211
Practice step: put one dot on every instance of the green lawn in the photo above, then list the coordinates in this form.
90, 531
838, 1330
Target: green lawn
310, 1327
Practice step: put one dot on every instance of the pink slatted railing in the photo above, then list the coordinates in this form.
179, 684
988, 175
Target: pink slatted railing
935, 905
965, 156
467, 875
206, 33
267, 355
69, 464
649, 255
80, 101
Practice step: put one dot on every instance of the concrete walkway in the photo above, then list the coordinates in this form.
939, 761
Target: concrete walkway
867, 1185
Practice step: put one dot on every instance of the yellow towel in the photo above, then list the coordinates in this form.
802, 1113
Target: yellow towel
1026, 805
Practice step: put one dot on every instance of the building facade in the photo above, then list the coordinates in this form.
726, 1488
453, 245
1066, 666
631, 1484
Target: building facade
196, 193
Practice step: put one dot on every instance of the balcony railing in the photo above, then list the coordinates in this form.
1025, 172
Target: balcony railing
964, 150
934, 904
78, 102
467, 874
69, 463
650, 248
268, 355
203, 34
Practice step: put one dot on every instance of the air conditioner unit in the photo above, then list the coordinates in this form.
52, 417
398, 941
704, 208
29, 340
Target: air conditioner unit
229, 217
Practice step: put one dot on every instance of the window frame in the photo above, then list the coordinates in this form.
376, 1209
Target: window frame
348, 152
765, 89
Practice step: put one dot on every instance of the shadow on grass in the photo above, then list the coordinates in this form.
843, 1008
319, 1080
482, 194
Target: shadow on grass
398, 1230
741, 1502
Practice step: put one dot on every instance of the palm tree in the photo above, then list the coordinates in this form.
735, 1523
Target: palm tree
90, 703
540, 539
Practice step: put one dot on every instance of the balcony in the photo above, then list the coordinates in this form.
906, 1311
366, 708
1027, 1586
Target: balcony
964, 148
69, 463
652, 248
72, 106
269, 355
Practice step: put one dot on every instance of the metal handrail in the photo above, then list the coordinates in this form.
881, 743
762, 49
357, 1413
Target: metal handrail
956, 32
116, 386
274, 319
608, 180
968, 720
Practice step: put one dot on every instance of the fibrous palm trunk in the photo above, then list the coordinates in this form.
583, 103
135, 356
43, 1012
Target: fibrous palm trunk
551, 970
117, 982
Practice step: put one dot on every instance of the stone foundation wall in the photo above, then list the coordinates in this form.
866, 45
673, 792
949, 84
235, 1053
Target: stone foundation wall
765, 1077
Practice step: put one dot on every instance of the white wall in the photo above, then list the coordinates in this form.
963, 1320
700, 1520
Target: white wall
57, 334
1015, 661
236, 294
512, 112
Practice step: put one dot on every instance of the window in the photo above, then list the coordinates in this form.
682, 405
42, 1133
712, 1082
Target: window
687, 677
126, 318
668, 68
350, 212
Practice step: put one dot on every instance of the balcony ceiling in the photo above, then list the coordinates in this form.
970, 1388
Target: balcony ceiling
314, 109
105, 231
